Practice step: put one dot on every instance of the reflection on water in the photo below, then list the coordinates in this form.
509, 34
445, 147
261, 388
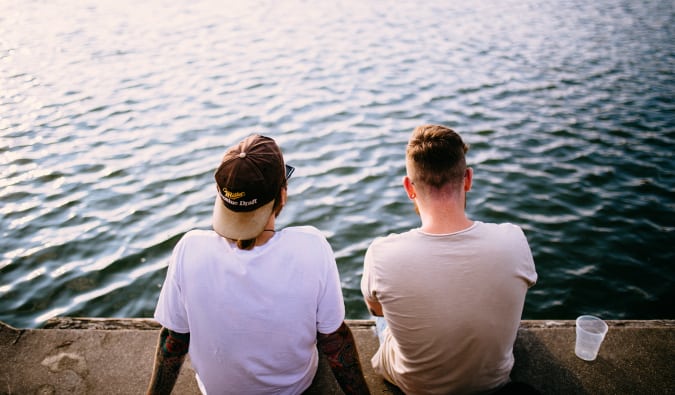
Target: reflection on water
113, 116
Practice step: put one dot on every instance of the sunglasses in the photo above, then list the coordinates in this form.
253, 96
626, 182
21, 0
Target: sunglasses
289, 171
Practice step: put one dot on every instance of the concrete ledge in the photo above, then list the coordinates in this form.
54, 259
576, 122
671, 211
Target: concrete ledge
114, 356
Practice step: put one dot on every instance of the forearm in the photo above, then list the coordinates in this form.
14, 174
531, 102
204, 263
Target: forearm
169, 357
340, 350
375, 308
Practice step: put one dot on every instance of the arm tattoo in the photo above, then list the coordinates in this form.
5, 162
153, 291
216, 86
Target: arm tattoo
169, 357
343, 357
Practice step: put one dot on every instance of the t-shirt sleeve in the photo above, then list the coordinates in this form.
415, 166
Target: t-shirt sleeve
527, 268
331, 307
170, 310
368, 278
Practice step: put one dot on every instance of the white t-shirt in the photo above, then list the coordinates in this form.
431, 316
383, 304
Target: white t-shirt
253, 316
452, 304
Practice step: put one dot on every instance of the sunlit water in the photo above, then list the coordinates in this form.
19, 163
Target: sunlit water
114, 115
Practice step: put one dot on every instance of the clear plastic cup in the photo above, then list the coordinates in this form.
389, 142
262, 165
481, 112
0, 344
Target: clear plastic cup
591, 332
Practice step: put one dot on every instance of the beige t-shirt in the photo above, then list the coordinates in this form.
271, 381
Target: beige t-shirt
452, 303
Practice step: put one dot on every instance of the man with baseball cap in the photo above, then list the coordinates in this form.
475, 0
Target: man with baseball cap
249, 302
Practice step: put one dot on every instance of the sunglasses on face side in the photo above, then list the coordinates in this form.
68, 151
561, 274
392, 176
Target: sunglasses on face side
289, 171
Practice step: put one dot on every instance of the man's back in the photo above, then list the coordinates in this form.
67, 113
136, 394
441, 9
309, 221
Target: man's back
253, 315
452, 303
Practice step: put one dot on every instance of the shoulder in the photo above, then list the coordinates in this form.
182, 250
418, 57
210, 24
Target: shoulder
197, 239
200, 233
506, 237
305, 244
502, 229
396, 237
392, 240
304, 235
303, 232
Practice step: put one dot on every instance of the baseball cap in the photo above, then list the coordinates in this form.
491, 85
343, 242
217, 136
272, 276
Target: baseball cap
248, 180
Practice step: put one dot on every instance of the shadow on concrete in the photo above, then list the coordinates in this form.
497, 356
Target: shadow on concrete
537, 366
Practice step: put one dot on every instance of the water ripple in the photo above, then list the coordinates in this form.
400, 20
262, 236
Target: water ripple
108, 140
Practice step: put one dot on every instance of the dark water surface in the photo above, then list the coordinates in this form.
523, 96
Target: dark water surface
114, 114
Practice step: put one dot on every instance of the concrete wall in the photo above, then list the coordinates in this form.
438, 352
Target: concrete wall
115, 356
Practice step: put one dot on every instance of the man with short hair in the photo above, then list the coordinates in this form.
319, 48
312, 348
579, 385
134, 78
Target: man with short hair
251, 302
448, 295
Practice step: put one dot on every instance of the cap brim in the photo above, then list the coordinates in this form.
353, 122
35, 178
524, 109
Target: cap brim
240, 225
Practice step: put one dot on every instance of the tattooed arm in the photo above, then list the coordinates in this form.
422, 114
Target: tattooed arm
343, 357
169, 358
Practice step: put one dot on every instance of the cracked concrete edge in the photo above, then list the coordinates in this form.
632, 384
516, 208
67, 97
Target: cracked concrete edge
150, 324
548, 324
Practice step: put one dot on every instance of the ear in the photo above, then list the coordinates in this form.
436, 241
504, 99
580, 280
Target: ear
284, 196
468, 179
409, 188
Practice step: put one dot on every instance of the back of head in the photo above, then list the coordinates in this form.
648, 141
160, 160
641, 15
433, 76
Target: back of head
249, 182
435, 157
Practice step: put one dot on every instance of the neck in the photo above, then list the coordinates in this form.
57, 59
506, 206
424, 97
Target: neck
267, 234
442, 217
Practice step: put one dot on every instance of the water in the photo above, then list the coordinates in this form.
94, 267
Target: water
114, 114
